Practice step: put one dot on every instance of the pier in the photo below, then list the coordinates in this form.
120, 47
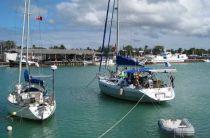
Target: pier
63, 63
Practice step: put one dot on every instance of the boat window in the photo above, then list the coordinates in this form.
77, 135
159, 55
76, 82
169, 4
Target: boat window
32, 89
32, 100
162, 79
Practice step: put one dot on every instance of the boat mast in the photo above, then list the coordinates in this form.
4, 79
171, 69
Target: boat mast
104, 35
22, 42
28, 33
117, 46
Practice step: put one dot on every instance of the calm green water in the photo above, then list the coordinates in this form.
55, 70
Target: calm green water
85, 112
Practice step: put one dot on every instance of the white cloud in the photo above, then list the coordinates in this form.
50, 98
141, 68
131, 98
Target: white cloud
79, 23
185, 17
81, 12
51, 21
35, 10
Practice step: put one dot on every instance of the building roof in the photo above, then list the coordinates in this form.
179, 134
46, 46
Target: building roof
57, 51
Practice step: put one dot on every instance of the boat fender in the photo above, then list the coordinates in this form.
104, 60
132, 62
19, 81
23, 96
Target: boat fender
121, 91
9, 128
14, 113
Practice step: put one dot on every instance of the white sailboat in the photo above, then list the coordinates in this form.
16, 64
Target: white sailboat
207, 60
138, 83
30, 99
133, 88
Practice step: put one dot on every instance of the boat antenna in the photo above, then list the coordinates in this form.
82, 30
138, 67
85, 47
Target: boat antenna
104, 36
22, 43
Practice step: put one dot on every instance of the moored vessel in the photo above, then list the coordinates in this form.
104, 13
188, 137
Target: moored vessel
140, 81
30, 98
178, 127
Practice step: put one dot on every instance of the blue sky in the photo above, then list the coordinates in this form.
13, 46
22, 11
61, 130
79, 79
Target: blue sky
79, 23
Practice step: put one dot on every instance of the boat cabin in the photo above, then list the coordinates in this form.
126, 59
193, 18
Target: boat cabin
146, 78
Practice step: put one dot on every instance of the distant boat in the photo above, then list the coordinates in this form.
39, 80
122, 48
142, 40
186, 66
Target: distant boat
15, 63
109, 62
177, 127
13, 58
168, 56
85, 63
30, 99
139, 83
206, 60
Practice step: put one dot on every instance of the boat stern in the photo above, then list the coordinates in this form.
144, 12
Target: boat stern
160, 94
43, 112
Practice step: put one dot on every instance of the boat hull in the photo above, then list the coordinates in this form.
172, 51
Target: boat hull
187, 130
130, 94
15, 63
26, 112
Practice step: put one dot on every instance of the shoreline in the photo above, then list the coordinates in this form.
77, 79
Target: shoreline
80, 63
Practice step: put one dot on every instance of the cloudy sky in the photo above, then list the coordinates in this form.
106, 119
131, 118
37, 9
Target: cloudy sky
79, 23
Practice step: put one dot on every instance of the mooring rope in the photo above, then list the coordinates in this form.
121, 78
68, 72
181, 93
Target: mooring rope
113, 126
92, 80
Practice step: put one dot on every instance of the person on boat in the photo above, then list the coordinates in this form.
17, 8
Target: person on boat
128, 78
150, 83
123, 74
150, 80
132, 78
136, 81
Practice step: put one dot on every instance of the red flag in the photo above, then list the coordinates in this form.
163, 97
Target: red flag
39, 18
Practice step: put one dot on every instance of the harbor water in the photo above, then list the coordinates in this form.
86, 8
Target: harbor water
82, 111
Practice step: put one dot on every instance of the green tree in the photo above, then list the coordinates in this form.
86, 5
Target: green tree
172, 51
62, 46
140, 49
145, 47
33, 46
88, 48
147, 50
129, 50
180, 50
58, 47
7, 45
157, 50
122, 52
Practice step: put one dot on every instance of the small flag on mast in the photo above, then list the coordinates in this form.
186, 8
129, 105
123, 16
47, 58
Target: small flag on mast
39, 18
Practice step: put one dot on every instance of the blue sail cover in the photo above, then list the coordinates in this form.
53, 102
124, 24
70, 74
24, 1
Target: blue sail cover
121, 60
143, 69
31, 79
